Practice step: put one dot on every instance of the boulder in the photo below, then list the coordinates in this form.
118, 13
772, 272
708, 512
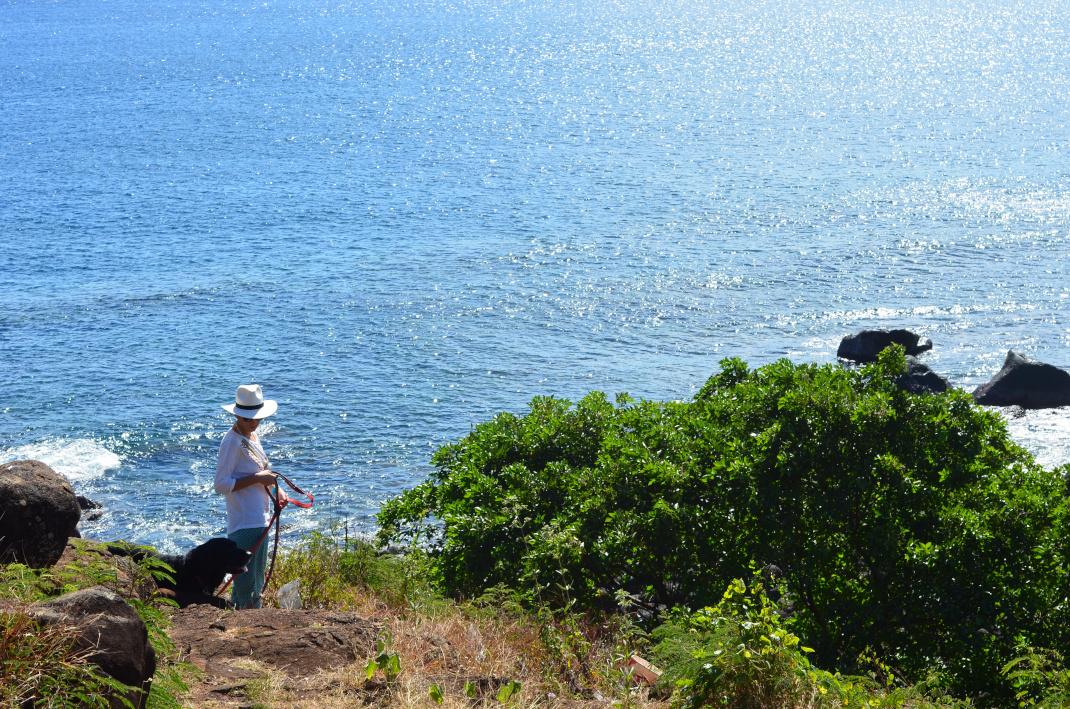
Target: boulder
38, 513
1026, 383
90, 510
867, 344
920, 379
110, 632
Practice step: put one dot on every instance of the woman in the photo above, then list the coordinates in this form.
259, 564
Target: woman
243, 476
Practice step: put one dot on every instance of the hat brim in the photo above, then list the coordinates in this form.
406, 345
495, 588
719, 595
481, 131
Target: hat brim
268, 409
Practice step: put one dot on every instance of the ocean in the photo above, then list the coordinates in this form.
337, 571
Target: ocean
402, 218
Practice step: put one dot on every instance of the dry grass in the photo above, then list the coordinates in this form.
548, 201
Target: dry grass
43, 665
454, 647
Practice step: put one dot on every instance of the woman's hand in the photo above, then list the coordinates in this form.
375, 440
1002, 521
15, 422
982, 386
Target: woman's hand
267, 478
263, 477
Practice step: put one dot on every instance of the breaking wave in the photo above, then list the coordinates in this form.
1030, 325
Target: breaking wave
77, 459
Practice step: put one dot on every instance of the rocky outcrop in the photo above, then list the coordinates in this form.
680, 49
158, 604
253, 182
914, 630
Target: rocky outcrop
293, 641
38, 513
110, 632
867, 344
1026, 383
920, 379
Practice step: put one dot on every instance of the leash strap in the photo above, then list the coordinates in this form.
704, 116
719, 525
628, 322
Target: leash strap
278, 522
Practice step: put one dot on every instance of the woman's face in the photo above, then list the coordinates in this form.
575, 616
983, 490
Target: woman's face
246, 426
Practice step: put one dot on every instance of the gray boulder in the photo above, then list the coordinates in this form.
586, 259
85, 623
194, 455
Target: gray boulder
867, 344
920, 379
110, 632
38, 513
1026, 383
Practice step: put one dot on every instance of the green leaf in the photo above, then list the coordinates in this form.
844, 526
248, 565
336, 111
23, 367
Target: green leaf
393, 666
508, 690
435, 692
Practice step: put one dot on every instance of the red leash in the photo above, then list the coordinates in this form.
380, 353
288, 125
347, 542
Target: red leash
296, 489
275, 519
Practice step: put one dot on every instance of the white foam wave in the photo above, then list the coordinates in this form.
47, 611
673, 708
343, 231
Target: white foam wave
77, 459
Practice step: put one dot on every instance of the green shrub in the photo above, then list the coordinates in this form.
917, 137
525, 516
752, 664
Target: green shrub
742, 654
736, 654
330, 568
908, 525
1040, 678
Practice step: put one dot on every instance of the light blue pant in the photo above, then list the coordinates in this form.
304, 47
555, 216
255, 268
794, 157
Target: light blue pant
247, 587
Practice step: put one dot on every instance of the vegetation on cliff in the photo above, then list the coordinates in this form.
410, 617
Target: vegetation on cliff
45, 666
793, 536
906, 528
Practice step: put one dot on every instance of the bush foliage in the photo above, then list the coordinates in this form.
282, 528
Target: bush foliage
906, 526
742, 653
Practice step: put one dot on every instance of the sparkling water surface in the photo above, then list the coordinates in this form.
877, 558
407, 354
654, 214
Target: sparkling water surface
401, 218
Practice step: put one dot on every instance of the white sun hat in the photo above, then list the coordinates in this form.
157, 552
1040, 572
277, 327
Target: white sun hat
250, 403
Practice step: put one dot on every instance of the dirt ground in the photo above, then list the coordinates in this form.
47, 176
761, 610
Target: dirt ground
241, 653
315, 659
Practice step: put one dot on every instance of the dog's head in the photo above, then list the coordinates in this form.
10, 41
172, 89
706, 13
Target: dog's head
216, 558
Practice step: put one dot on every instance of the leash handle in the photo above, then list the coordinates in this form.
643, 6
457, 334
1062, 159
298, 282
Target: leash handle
295, 488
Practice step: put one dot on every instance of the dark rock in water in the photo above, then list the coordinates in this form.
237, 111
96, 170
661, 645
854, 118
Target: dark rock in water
90, 510
1026, 383
867, 344
920, 379
112, 634
84, 503
38, 513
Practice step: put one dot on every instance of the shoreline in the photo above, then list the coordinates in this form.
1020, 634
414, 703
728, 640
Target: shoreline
1044, 432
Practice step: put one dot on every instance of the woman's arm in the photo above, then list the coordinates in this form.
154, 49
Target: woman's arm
264, 477
224, 467
229, 454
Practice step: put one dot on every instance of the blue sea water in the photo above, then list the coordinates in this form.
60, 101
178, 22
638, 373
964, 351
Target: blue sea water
403, 217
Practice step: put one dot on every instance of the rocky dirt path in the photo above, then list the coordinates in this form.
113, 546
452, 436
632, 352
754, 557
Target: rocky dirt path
241, 653
315, 659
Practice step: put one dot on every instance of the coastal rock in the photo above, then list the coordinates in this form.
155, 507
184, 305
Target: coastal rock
112, 634
921, 379
867, 344
90, 510
293, 641
38, 513
1026, 383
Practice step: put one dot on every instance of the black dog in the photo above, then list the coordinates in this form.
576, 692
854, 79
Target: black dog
198, 572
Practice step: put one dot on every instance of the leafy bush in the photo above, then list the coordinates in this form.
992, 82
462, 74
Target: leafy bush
742, 654
909, 525
1040, 677
737, 653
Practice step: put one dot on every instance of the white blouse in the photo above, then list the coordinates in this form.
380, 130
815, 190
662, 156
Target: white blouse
239, 457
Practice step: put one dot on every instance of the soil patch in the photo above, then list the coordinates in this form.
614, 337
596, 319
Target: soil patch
233, 648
